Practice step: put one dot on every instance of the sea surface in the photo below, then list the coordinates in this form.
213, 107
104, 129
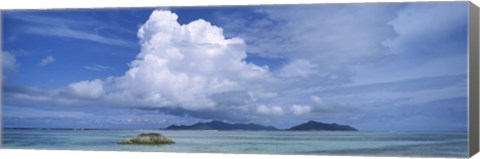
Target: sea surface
416, 144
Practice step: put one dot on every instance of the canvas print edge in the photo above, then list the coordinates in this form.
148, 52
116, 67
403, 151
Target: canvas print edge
473, 92
474, 125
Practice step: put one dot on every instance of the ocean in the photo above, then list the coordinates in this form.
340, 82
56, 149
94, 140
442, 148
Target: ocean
413, 144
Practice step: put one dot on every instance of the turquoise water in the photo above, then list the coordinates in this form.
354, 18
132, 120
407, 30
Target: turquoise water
251, 142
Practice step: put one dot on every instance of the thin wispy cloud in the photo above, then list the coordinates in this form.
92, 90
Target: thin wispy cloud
96, 67
76, 34
53, 21
47, 60
43, 19
59, 27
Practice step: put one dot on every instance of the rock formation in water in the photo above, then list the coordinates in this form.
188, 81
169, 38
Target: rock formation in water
148, 139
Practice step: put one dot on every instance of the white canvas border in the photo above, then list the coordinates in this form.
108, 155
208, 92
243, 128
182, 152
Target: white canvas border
62, 4
67, 4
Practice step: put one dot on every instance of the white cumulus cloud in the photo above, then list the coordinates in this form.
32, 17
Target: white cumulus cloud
273, 110
316, 100
47, 60
298, 68
300, 109
9, 61
178, 66
86, 89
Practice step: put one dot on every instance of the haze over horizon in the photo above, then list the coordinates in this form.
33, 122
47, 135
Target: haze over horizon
375, 67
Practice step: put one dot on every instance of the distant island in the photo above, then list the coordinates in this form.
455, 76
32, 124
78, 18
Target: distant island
319, 126
218, 125
223, 126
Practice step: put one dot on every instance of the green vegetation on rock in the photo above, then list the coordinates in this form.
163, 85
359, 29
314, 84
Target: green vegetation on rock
148, 139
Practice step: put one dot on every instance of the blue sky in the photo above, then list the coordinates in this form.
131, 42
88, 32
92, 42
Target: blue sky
376, 67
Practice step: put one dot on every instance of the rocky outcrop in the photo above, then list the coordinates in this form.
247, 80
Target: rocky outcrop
148, 139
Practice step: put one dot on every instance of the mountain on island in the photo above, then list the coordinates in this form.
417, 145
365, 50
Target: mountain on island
319, 126
218, 125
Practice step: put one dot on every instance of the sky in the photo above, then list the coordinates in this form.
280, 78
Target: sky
375, 67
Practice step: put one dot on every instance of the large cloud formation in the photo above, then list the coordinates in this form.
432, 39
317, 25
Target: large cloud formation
326, 47
179, 66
